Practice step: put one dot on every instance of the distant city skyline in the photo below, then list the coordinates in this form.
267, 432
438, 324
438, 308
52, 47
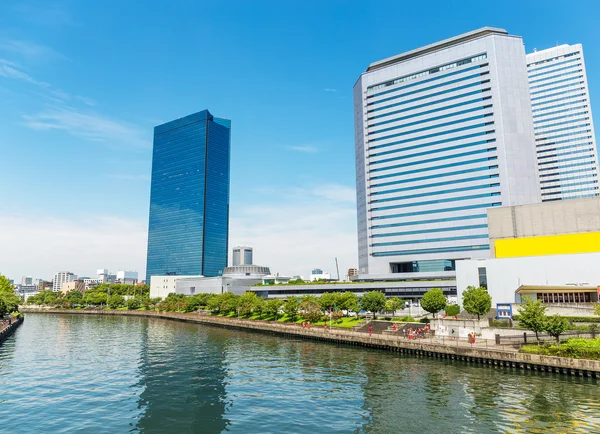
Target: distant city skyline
79, 103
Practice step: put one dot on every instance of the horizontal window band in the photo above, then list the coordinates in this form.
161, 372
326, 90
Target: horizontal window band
579, 196
581, 113
573, 184
431, 95
568, 172
431, 240
428, 80
426, 72
579, 105
436, 201
430, 231
436, 176
578, 190
427, 112
438, 250
558, 155
438, 220
569, 107
558, 142
580, 157
429, 104
437, 211
584, 162
551, 151
551, 65
432, 160
568, 178
550, 134
574, 64
429, 136
429, 128
575, 85
436, 193
551, 80
437, 142
541, 129
427, 169
435, 184
425, 89
434, 151
436, 118
559, 101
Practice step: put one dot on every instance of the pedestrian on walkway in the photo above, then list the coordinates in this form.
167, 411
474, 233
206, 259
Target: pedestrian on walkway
370, 330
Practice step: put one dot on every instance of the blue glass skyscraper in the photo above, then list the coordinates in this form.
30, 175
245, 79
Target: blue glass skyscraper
189, 197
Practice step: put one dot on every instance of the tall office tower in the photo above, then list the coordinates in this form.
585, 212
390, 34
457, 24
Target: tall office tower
189, 197
562, 122
442, 133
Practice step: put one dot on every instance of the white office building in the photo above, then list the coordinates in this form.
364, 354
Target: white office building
61, 277
562, 120
442, 133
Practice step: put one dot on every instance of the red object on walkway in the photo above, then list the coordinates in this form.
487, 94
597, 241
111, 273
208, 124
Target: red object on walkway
370, 330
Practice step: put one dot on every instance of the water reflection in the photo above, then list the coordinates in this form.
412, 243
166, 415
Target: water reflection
183, 379
111, 374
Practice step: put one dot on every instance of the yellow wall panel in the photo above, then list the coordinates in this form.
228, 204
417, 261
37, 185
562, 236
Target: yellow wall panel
548, 245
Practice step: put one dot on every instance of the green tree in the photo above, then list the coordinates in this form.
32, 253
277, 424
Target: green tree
291, 307
228, 302
247, 303
214, 304
556, 325
116, 301
452, 309
393, 304
272, 307
133, 303
5, 286
477, 301
532, 315
9, 301
349, 302
596, 309
329, 300
373, 301
433, 301
259, 306
74, 298
94, 298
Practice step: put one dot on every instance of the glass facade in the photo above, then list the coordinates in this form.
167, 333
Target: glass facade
189, 197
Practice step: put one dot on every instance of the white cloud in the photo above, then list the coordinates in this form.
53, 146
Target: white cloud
40, 246
295, 236
88, 126
9, 70
308, 149
30, 50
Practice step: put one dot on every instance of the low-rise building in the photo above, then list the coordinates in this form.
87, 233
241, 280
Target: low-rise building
76, 285
127, 277
549, 251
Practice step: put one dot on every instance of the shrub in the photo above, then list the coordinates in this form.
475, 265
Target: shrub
575, 348
407, 319
425, 320
501, 323
452, 309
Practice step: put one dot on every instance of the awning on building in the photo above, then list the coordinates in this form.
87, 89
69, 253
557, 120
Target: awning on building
536, 289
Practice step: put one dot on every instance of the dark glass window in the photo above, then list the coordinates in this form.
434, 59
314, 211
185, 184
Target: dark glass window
482, 277
189, 197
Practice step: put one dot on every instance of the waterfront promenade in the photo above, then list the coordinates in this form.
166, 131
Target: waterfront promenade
7, 328
482, 353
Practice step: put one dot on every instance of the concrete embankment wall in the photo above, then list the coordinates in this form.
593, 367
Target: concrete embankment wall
8, 331
485, 356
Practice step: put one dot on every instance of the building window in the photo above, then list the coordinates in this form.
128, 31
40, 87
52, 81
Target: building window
482, 277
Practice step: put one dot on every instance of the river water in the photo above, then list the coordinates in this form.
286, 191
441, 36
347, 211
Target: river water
96, 374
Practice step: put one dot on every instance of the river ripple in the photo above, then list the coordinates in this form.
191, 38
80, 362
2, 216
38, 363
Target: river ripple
74, 373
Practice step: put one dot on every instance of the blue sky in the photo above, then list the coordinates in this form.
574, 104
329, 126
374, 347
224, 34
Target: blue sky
82, 84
